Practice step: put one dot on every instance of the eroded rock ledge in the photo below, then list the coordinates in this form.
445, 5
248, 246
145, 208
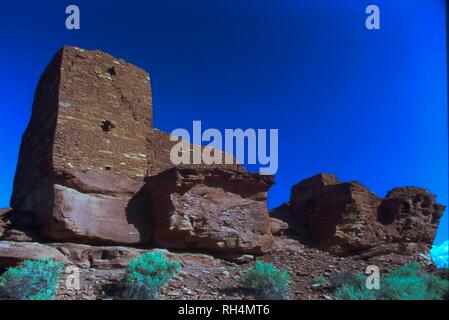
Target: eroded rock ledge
210, 209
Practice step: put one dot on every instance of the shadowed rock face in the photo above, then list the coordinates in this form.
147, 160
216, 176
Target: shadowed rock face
4, 223
338, 217
346, 218
210, 209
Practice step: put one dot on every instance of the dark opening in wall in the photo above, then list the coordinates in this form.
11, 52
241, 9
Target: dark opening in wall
107, 126
112, 72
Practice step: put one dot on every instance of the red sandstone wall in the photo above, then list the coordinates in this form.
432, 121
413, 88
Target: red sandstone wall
95, 90
79, 92
35, 157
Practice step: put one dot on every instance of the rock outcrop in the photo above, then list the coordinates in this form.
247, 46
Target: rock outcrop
210, 209
83, 154
278, 226
12, 253
4, 223
100, 257
346, 218
338, 217
87, 150
17, 227
410, 214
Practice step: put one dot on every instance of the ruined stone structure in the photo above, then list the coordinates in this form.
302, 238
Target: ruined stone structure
95, 183
90, 111
92, 170
89, 147
347, 218
83, 155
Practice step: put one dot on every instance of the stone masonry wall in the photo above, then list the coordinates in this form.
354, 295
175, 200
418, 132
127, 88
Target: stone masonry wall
90, 111
88, 149
83, 157
105, 108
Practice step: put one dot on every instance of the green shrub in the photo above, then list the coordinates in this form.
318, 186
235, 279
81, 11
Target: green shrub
341, 278
319, 282
31, 280
267, 282
147, 274
354, 288
409, 282
346, 292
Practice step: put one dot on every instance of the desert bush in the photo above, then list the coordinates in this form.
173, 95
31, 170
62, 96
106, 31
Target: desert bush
147, 274
320, 281
346, 292
341, 278
352, 287
31, 280
267, 282
409, 282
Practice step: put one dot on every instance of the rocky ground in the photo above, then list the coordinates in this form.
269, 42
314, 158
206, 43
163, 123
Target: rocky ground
204, 277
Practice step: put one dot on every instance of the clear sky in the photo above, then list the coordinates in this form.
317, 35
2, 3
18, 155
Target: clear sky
366, 105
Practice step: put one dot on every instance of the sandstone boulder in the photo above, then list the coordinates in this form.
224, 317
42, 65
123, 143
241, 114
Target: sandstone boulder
12, 253
86, 256
91, 206
410, 214
118, 257
339, 217
17, 236
210, 209
278, 226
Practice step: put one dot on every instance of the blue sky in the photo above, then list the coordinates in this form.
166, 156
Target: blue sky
366, 105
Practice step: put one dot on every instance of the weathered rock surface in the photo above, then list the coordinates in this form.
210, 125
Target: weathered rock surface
95, 207
13, 253
4, 223
87, 149
278, 226
85, 256
17, 236
210, 209
83, 155
346, 218
339, 217
410, 214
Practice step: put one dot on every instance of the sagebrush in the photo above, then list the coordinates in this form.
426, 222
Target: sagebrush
31, 280
409, 282
147, 274
267, 282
